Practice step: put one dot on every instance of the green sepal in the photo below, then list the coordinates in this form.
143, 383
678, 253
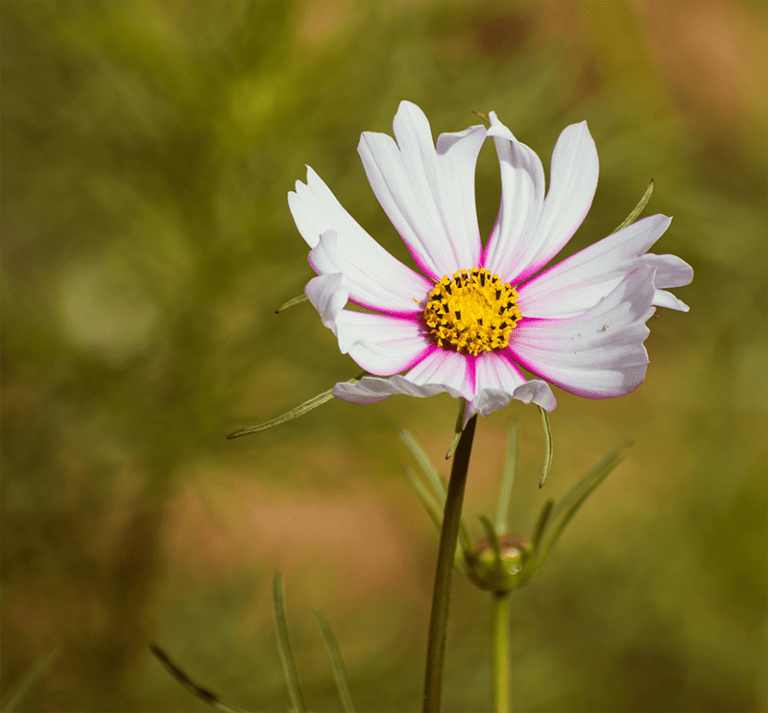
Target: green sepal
493, 538
632, 217
290, 303
549, 450
300, 410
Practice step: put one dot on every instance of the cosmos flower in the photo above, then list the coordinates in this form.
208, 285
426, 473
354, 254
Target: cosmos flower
476, 315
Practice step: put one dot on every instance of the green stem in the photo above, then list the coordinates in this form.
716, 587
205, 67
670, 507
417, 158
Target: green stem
449, 535
500, 625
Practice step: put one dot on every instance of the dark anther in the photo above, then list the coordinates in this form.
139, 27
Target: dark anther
458, 314
482, 279
498, 294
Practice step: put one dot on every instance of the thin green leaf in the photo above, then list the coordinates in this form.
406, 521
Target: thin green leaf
300, 410
424, 496
578, 495
425, 464
632, 217
337, 662
586, 481
19, 690
548, 446
290, 303
508, 478
284, 644
541, 526
198, 691
435, 514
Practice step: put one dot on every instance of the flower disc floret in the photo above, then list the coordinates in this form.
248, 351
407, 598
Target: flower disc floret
472, 312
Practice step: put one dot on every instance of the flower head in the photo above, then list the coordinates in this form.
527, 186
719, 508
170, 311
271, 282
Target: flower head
476, 314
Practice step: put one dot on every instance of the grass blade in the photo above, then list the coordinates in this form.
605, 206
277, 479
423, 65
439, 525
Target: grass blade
284, 644
337, 662
508, 479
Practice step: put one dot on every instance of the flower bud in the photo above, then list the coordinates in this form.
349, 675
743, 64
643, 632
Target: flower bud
504, 572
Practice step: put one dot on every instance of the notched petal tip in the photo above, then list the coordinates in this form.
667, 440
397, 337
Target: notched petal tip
536, 392
497, 129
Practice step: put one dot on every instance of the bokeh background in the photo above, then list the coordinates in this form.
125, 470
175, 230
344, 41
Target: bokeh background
147, 149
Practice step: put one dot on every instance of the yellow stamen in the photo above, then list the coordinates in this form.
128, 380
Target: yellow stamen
472, 312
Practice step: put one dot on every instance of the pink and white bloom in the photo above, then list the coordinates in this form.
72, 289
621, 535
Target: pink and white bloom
476, 314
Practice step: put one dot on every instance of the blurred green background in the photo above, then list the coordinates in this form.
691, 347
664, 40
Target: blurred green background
147, 149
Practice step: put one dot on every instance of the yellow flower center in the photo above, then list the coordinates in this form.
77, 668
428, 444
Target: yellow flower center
472, 312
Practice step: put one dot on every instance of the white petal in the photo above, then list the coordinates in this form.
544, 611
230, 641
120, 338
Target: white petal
671, 271
573, 179
370, 281
498, 381
448, 368
448, 372
579, 282
599, 353
522, 196
328, 296
381, 344
428, 193
372, 389
373, 277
